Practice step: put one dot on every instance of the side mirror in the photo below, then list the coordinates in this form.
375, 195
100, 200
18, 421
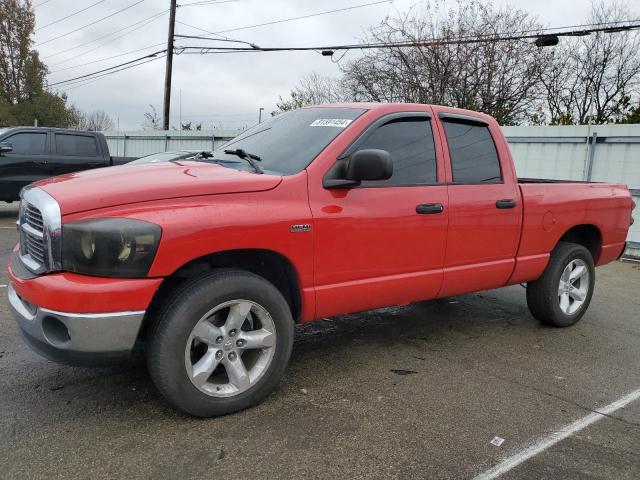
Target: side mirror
369, 164
5, 147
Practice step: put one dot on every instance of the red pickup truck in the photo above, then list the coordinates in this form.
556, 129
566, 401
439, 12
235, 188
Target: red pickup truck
205, 266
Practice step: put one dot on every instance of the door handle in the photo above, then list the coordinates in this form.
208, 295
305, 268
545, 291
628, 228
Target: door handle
429, 208
506, 203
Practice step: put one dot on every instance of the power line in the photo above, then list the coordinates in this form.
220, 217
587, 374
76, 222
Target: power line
79, 84
252, 45
431, 42
148, 20
123, 54
201, 29
205, 2
154, 54
631, 25
90, 24
299, 18
70, 15
41, 3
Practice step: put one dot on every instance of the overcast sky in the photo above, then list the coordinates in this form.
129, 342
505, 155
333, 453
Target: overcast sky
223, 89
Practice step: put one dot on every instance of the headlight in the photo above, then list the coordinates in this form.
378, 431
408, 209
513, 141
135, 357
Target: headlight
109, 247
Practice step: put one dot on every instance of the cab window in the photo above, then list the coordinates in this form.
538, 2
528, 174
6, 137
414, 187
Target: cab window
409, 141
473, 154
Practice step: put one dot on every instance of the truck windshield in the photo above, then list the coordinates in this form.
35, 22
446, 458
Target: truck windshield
288, 142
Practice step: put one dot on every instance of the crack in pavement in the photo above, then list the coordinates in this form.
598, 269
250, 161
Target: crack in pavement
558, 397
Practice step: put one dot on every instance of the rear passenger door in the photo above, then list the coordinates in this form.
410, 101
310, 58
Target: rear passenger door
72, 152
484, 209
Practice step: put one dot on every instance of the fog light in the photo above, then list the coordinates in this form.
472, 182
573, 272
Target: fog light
56, 332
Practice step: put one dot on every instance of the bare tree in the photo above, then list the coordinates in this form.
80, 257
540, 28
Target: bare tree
152, 120
314, 89
500, 78
97, 121
595, 78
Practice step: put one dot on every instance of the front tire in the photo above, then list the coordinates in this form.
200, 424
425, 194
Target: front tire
220, 343
561, 296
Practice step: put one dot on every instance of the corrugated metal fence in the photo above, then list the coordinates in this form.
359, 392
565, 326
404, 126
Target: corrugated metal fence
600, 153
141, 143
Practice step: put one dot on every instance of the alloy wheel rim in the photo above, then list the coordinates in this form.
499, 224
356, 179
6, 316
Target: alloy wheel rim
230, 348
573, 286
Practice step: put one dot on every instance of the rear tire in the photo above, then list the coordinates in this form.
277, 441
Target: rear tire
220, 343
561, 296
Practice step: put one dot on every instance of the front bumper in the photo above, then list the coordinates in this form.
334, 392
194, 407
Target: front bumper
76, 338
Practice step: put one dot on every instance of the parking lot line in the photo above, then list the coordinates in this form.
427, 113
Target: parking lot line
557, 436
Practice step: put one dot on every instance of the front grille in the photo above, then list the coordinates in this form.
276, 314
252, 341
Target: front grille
34, 246
40, 231
33, 217
32, 237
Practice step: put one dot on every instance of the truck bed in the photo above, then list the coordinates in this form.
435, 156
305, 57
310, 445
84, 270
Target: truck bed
552, 207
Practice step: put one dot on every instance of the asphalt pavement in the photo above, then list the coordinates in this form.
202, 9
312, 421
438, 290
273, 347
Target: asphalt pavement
411, 392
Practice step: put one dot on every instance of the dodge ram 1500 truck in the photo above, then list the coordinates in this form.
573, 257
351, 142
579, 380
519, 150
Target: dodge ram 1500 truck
205, 266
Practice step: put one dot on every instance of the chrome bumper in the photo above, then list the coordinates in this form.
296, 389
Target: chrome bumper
76, 338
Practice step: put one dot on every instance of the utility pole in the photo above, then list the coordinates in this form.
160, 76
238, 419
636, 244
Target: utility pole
169, 68
260, 114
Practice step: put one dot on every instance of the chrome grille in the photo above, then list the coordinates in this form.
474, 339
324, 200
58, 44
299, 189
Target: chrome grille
32, 242
33, 217
34, 246
40, 231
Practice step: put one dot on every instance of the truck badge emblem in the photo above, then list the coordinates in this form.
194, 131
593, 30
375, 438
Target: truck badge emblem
301, 227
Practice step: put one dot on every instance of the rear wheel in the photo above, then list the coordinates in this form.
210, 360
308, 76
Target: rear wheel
221, 343
561, 296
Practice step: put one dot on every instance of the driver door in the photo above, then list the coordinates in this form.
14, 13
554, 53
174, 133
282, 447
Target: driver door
376, 244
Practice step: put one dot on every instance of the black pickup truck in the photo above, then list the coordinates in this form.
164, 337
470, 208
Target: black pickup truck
28, 154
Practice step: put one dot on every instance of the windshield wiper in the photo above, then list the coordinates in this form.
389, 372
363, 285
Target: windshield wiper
249, 157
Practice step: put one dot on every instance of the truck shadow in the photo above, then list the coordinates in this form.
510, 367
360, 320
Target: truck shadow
435, 326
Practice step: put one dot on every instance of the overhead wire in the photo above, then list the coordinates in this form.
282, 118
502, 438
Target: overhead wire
144, 22
205, 2
123, 54
70, 15
94, 79
41, 3
603, 27
107, 69
89, 24
416, 43
301, 17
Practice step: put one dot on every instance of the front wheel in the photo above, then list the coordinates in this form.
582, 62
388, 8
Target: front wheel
221, 343
561, 296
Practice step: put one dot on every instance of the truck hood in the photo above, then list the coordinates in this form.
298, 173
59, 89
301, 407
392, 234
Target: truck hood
112, 186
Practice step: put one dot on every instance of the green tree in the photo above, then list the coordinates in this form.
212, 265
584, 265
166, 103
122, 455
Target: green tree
23, 96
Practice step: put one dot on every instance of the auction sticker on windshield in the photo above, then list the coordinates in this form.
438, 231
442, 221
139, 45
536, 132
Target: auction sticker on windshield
331, 122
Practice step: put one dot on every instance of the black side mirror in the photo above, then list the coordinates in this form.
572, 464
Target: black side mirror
367, 164
5, 147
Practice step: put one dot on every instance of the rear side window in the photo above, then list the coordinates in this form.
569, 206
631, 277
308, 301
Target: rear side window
76, 145
28, 143
474, 158
409, 141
